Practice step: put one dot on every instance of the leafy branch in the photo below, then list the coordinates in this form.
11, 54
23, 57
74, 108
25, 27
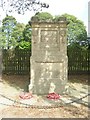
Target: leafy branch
21, 6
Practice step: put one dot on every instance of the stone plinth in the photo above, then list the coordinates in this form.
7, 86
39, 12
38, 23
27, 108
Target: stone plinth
49, 57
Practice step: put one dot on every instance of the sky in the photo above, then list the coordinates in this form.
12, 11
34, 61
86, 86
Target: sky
78, 8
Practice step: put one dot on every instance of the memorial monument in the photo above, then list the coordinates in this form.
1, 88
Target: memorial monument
49, 61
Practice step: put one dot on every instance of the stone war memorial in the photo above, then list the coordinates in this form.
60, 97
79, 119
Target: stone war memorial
49, 61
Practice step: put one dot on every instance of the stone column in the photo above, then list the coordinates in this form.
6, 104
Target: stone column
49, 56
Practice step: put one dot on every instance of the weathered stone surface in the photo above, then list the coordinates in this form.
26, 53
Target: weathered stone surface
49, 57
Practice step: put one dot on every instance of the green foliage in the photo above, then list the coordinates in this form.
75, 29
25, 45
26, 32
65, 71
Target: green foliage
1, 38
18, 33
9, 21
8, 25
24, 45
27, 33
25, 42
14, 35
76, 31
44, 16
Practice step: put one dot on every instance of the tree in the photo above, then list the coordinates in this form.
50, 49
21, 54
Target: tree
22, 34
18, 33
27, 33
15, 34
76, 31
44, 16
8, 25
21, 6
1, 38
26, 42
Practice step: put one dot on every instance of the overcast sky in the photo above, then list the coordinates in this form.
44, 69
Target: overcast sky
78, 8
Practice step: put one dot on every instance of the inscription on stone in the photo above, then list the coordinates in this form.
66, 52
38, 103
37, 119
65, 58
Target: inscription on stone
49, 40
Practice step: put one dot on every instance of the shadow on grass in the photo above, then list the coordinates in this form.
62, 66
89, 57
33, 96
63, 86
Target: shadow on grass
17, 81
83, 79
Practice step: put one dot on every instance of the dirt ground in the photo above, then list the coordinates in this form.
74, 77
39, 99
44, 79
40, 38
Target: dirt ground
11, 87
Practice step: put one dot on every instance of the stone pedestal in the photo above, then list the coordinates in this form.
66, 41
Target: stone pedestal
49, 57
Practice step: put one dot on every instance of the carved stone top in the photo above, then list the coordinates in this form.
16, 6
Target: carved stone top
59, 20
